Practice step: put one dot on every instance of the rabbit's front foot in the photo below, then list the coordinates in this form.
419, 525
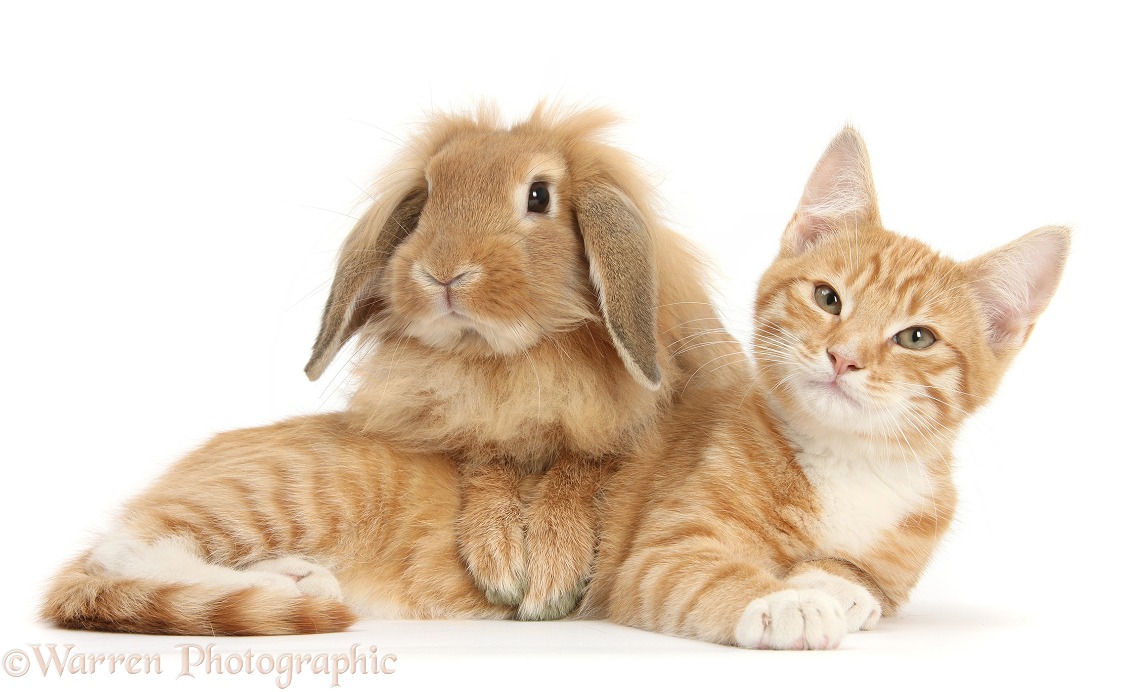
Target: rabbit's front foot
490, 532
560, 538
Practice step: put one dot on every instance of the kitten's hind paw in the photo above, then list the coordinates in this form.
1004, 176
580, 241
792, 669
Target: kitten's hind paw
308, 577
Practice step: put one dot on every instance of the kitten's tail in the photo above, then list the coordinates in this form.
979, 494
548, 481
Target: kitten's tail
84, 595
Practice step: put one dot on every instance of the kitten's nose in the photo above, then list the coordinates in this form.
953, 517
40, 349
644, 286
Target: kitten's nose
842, 363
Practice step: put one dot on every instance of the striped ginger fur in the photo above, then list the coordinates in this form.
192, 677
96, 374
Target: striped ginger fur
91, 598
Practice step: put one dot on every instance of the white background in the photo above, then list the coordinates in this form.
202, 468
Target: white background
174, 183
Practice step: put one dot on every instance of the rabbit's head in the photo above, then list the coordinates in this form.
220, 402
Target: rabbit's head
489, 239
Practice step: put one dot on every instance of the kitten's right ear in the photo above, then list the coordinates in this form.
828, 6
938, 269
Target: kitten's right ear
1014, 283
840, 194
354, 291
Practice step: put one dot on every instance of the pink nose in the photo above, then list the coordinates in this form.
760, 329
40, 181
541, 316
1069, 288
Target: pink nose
840, 364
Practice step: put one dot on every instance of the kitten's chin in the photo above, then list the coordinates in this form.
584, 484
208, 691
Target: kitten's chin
833, 407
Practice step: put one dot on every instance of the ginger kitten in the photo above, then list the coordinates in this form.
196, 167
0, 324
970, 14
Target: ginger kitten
804, 507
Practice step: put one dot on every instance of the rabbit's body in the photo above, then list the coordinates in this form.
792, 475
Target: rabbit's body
524, 311
521, 310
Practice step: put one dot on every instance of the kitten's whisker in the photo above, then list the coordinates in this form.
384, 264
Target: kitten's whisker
774, 346
941, 387
770, 328
689, 302
921, 467
701, 332
742, 359
776, 339
920, 390
696, 319
701, 345
695, 372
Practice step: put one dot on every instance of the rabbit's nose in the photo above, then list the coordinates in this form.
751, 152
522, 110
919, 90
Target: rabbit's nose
444, 282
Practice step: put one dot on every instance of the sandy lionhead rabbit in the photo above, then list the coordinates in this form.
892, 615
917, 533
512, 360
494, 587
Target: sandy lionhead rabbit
523, 318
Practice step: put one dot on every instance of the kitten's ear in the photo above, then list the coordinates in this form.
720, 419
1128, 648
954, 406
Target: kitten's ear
1014, 283
839, 194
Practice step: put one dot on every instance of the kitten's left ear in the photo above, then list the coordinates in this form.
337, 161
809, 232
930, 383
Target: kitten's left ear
840, 194
1014, 283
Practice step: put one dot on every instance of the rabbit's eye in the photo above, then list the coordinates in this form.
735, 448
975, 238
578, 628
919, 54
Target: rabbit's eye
539, 198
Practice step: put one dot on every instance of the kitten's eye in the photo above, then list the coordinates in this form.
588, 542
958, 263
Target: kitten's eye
828, 299
539, 198
916, 338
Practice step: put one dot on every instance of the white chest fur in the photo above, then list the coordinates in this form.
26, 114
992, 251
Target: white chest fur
860, 498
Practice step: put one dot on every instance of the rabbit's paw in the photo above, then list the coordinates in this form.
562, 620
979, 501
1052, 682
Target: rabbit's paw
493, 550
559, 564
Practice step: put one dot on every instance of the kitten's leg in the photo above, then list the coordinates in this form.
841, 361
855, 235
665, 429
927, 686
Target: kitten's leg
560, 537
129, 583
848, 585
700, 588
193, 553
880, 580
176, 560
490, 530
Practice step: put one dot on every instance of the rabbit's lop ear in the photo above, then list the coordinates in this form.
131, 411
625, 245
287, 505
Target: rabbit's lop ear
619, 251
354, 292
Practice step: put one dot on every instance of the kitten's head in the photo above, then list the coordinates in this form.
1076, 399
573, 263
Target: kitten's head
861, 330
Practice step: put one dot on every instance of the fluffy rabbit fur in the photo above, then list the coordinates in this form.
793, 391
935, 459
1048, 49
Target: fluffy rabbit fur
519, 309
513, 277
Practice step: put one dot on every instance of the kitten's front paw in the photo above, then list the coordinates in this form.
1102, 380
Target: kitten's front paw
862, 608
804, 619
305, 576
